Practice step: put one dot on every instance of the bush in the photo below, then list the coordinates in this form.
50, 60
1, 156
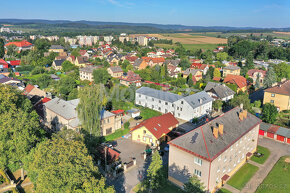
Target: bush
37, 70
127, 125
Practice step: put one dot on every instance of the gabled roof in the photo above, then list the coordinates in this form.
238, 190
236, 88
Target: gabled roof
116, 69
56, 47
158, 94
22, 43
221, 90
15, 62
198, 99
240, 81
159, 125
252, 71
66, 109
28, 88
202, 143
58, 62
281, 88
131, 77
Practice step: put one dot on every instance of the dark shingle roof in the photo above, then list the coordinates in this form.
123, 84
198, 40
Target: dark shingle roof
201, 141
165, 96
283, 132
221, 90
58, 62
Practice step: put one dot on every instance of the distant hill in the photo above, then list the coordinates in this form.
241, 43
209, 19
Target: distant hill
148, 27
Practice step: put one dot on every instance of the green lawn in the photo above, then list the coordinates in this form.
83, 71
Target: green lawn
264, 151
245, 173
278, 180
119, 133
147, 113
167, 188
166, 46
223, 190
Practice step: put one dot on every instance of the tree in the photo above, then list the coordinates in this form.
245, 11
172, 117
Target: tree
221, 56
189, 80
282, 70
67, 66
2, 50
11, 50
101, 75
216, 73
269, 113
76, 52
217, 105
184, 64
63, 164
194, 185
155, 174
65, 86
241, 98
257, 84
42, 45
92, 101
270, 78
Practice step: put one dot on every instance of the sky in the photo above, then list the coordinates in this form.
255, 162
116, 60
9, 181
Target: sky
235, 13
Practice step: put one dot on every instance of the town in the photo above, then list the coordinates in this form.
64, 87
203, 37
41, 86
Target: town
144, 112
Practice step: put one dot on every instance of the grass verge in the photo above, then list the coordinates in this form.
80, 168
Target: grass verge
263, 150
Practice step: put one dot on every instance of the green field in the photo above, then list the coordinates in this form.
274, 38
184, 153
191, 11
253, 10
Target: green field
278, 180
264, 151
200, 46
241, 178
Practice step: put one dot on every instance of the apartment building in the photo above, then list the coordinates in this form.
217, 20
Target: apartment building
187, 108
86, 73
214, 151
142, 40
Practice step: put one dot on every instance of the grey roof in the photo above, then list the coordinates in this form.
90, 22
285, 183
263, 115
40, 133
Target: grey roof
191, 71
137, 62
75, 123
133, 110
231, 67
265, 126
165, 96
106, 114
173, 62
221, 90
66, 109
56, 47
116, 69
58, 62
283, 132
89, 69
201, 141
198, 99
53, 76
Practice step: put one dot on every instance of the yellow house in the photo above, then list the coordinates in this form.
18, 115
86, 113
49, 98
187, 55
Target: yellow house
81, 61
278, 95
154, 130
233, 70
56, 48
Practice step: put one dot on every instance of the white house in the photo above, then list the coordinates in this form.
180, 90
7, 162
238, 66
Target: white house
219, 91
186, 108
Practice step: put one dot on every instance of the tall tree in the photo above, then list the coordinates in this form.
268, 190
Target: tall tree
92, 101
101, 76
270, 78
241, 98
269, 113
155, 174
257, 84
216, 73
194, 185
2, 50
222, 56
63, 164
217, 105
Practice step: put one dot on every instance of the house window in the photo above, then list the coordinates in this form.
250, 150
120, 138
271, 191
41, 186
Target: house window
180, 109
152, 106
144, 131
198, 161
172, 105
272, 95
159, 108
150, 140
271, 101
220, 158
177, 108
139, 95
109, 131
152, 99
166, 103
197, 172
159, 101
182, 102
166, 110
108, 121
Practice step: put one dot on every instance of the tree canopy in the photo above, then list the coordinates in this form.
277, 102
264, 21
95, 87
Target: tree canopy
155, 173
269, 113
101, 76
194, 185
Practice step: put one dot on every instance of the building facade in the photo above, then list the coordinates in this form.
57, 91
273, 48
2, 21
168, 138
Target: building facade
86, 73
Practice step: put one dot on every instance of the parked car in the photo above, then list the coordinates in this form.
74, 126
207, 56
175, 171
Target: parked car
138, 118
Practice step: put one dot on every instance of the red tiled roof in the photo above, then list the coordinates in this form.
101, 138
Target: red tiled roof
131, 76
119, 111
22, 43
3, 62
252, 71
44, 100
15, 62
131, 58
216, 78
154, 60
159, 125
83, 52
240, 81
28, 89
281, 88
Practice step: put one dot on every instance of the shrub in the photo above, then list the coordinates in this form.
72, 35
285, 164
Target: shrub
127, 125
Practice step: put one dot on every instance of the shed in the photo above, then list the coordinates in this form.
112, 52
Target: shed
133, 112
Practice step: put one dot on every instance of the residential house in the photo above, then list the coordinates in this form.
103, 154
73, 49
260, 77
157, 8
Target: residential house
231, 70
3, 64
255, 74
31, 90
9, 80
173, 70
175, 62
84, 53
196, 74
56, 64
240, 81
81, 61
86, 73
115, 71
219, 91
140, 64
203, 67
59, 113
155, 130
21, 45
56, 48
4, 71
186, 108
14, 63
131, 59
130, 78
278, 95
214, 151
71, 59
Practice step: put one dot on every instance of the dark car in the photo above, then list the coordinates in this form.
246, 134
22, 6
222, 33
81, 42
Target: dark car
138, 117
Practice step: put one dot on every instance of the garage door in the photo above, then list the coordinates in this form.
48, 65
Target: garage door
288, 140
261, 132
280, 138
271, 135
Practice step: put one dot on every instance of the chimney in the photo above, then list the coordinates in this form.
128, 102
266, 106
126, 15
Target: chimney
221, 129
200, 101
245, 112
241, 115
216, 132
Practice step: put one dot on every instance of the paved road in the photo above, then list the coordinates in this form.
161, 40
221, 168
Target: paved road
277, 150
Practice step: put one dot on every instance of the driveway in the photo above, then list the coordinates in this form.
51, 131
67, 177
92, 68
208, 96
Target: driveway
277, 150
